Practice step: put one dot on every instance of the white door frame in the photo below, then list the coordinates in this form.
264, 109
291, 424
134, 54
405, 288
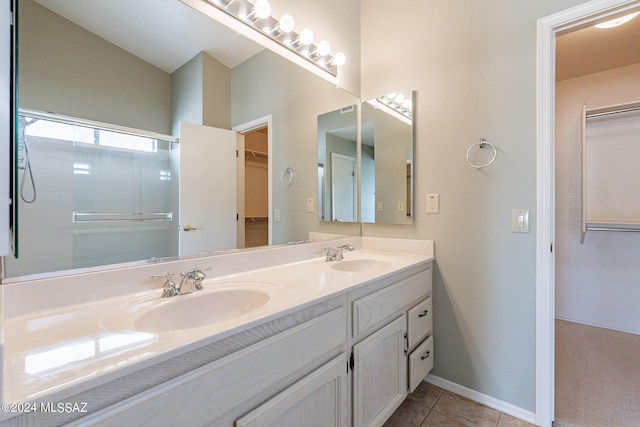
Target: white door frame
254, 125
548, 27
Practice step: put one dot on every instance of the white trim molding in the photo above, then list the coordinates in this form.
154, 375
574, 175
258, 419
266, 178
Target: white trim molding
548, 27
482, 398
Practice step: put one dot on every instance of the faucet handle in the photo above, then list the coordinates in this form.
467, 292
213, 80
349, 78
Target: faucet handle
330, 253
169, 288
198, 276
165, 275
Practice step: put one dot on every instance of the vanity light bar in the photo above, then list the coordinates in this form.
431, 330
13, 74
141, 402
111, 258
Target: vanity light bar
299, 43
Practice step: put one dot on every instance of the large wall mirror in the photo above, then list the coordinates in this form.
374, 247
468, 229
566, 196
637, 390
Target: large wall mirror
104, 85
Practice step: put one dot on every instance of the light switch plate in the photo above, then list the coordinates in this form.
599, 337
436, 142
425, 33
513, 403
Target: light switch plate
276, 215
400, 206
520, 221
311, 206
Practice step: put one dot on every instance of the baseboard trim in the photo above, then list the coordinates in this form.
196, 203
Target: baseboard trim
489, 401
597, 325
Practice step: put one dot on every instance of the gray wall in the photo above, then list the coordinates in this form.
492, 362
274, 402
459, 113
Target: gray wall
294, 97
67, 70
201, 93
473, 65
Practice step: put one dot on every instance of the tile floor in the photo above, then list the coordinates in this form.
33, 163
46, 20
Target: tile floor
430, 405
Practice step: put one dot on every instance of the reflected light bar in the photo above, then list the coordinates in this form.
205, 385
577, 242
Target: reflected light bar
618, 21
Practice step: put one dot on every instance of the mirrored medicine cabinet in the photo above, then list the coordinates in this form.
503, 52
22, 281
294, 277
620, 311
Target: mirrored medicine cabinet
385, 167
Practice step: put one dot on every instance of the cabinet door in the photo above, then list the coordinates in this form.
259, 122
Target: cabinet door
317, 400
379, 374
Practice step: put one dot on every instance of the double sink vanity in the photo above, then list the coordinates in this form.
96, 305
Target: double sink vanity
278, 335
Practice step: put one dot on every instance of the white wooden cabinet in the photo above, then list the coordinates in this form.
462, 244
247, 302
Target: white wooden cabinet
379, 374
393, 346
317, 400
307, 356
350, 365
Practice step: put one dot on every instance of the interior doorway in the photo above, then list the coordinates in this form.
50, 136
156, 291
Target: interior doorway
596, 320
548, 29
256, 188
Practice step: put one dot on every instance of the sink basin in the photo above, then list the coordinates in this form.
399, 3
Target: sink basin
187, 311
356, 265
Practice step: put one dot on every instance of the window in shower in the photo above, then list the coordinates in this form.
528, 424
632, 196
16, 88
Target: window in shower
92, 196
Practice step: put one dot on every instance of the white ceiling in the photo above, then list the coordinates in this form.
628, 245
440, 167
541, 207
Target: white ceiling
165, 33
168, 33
592, 50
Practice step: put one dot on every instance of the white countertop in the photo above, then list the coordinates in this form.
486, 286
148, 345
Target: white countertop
54, 354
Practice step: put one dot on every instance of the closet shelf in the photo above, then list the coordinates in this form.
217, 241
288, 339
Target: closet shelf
610, 175
613, 226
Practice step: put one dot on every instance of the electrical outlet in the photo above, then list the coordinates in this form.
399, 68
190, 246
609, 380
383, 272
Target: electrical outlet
380, 207
400, 206
433, 203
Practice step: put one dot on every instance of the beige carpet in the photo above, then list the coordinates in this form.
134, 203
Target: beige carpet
597, 377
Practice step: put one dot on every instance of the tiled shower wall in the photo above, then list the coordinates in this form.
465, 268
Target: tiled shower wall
118, 180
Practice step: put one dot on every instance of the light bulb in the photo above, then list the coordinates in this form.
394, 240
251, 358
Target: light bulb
323, 48
306, 37
407, 104
399, 99
287, 23
339, 59
262, 9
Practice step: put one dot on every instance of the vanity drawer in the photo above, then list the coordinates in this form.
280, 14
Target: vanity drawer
373, 310
420, 363
420, 321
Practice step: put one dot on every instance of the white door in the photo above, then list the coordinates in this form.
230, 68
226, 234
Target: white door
343, 188
208, 193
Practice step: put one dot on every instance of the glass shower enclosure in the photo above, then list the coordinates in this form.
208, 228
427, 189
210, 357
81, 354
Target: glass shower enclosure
90, 195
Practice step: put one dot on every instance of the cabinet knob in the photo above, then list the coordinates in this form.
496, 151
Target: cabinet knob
189, 228
424, 313
426, 355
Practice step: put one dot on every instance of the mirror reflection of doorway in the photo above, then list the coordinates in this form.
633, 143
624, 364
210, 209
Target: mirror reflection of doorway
256, 188
343, 187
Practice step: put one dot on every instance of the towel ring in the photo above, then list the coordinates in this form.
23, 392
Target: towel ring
286, 177
481, 144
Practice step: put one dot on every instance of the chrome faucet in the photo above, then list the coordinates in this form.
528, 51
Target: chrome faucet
190, 281
336, 254
341, 249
